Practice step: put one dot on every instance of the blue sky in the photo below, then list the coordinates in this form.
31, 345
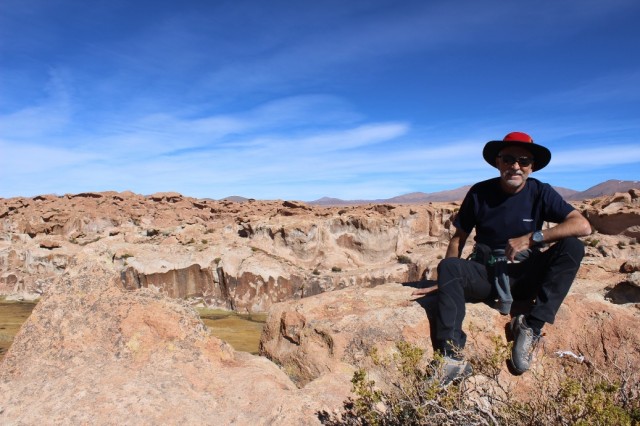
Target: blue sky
304, 99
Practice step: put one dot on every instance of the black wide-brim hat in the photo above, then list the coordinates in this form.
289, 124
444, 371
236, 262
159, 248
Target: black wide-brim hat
541, 155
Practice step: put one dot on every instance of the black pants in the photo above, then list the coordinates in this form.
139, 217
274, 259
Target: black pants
546, 277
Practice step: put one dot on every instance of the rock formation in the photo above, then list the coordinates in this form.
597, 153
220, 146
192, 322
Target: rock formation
113, 339
244, 257
94, 353
248, 256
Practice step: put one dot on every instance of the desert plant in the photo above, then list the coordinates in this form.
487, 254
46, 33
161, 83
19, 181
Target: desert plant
405, 260
414, 395
591, 242
336, 269
563, 392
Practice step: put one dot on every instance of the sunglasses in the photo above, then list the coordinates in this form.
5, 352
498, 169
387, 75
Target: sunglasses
511, 160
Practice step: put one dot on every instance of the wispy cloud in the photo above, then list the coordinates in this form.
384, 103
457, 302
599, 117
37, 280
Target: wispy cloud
283, 148
617, 86
595, 157
303, 100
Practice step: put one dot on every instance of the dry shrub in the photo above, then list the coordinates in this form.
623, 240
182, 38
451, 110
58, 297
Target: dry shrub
562, 391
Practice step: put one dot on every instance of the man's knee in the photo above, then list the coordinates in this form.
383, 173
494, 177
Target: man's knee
450, 266
573, 247
450, 274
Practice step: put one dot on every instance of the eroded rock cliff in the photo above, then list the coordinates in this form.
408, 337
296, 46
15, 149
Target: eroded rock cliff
241, 256
248, 256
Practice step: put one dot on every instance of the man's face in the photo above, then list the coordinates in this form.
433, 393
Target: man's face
513, 176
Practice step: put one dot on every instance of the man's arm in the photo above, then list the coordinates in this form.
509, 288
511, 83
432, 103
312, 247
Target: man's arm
574, 225
456, 244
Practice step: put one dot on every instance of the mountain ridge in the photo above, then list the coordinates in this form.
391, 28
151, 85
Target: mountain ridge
608, 187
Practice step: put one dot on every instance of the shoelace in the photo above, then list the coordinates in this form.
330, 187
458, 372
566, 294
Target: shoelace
534, 347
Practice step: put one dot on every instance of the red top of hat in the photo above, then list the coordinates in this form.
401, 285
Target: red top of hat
518, 137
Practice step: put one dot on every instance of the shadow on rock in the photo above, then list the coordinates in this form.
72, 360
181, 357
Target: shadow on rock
429, 303
623, 293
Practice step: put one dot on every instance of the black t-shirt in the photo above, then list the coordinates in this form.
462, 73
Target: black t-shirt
499, 216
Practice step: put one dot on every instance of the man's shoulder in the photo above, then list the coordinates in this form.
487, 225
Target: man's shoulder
536, 186
485, 185
537, 183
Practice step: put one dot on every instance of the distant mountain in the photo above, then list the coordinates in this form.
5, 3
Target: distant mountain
328, 201
411, 198
235, 198
442, 196
605, 188
565, 192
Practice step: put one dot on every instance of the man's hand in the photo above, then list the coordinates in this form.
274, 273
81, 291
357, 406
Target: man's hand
516, 245
574, 225
423, 291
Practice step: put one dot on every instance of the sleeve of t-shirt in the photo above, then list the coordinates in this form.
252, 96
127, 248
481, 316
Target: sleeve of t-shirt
554, 208
466, 217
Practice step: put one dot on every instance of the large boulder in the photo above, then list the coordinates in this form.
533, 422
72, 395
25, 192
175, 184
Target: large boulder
337, 331
94, 353
617, 214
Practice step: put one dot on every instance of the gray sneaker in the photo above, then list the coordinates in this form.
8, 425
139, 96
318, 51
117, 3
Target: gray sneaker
524, 345
451, 369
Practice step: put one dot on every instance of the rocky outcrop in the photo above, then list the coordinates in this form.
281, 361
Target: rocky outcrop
112, 341
249, 256
618, 214
244, 257
94, 353
338, 330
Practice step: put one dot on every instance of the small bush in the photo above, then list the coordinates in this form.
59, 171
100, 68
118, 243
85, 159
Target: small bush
316, 272
591, 242
336, 269
565, 393
405, 260
413, 396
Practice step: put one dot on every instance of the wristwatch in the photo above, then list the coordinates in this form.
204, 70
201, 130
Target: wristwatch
538, 237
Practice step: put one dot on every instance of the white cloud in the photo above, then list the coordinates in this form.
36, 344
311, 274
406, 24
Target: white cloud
611, 155
613, 87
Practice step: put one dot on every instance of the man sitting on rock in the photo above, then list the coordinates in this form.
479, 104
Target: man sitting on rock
508, 262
